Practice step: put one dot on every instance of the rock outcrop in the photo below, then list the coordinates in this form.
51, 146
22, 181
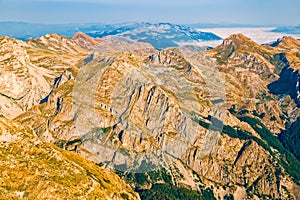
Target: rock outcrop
29, 70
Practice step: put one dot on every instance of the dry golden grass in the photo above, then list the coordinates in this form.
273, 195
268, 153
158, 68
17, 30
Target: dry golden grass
33, 169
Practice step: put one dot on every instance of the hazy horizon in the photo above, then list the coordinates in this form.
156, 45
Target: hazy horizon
254, 12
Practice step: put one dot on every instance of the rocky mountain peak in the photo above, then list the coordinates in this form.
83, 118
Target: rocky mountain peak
238, 49
287, 43
85, 41
239, 42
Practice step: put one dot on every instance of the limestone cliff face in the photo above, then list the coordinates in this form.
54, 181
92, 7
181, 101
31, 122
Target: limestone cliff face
203, 118
30, 71
231, 164
16, 82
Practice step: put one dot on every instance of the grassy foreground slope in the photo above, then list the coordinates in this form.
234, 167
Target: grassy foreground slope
33, 169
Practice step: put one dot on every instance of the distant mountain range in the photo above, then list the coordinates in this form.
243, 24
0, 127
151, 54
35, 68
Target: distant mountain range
24, 31
160, 35
288, 29
227, 25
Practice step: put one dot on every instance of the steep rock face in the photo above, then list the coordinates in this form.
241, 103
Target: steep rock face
31, 168
53, 120
146, 107
21, 85
231, 164
13, 59
29, 71
175, 58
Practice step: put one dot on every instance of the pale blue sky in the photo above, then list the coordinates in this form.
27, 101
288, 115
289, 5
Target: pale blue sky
260, 12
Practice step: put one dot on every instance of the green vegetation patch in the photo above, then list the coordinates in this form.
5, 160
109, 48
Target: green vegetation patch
171, 192
291, 138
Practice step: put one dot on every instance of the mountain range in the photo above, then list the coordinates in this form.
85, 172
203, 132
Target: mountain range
160, 35
288, 29
113, 114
